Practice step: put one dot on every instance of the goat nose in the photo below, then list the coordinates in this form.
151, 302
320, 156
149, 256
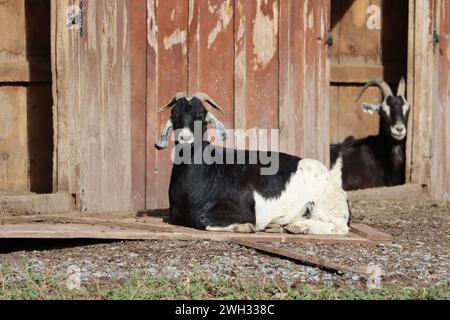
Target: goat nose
184, 138
400, 128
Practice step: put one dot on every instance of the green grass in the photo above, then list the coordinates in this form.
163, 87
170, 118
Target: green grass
143, 287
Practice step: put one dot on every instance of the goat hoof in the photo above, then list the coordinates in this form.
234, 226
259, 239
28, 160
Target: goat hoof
244, 228
297, 229
274, 228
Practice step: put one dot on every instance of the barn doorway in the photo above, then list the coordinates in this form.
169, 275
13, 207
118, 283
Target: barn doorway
370, 41
26, 119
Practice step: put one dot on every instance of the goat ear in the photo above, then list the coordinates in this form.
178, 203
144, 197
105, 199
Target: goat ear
163, 142
370, 108
401, 88
210, 118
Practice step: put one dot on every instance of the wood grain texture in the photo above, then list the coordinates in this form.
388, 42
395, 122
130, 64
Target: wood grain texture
137, 29
370, 233
167, 74
304, 79
14, 155
77, 231
440, 165
93, 111
256, 64
66, 66
105, 173
125, 225
423, 104
211, 52
13, 43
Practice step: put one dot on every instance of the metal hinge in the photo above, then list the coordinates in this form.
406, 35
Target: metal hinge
437, 38
329, 42
75, 17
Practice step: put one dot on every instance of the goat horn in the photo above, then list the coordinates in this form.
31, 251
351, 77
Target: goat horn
204, 97
381, 84
172, 101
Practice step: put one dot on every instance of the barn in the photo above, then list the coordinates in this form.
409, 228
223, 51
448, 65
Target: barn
81, 82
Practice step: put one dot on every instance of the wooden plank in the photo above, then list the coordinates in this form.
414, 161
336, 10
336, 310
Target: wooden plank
303, 259
408, 191
304, 118
14, 155
32, 204
317, 81
354, 73
138, 53
256, 64
13, 43
156, 225
423, 73
292, 75
66, 59
440, 166
167, 74
95, 231
25, 71
104, 93
211, 53
370, 233
356, 43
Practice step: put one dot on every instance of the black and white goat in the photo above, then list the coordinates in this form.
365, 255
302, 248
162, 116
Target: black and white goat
375, 161
301, 197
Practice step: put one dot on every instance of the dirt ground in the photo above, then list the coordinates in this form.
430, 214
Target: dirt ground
419, 256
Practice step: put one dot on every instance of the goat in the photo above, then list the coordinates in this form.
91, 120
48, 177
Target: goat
375, 161
301, 197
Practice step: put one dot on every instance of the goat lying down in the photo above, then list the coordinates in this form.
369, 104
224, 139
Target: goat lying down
301, 198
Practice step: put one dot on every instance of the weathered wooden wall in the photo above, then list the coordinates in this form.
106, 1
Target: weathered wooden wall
264, 61
440, 164
25, 94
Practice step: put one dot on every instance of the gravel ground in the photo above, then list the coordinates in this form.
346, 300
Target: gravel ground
419, 256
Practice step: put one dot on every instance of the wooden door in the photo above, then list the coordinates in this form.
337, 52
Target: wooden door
25, 97
93, 102
370, 42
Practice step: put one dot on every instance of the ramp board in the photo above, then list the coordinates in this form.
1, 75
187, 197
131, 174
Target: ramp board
151, 226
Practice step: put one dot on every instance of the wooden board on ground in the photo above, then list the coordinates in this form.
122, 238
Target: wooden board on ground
127, 226
407, 191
